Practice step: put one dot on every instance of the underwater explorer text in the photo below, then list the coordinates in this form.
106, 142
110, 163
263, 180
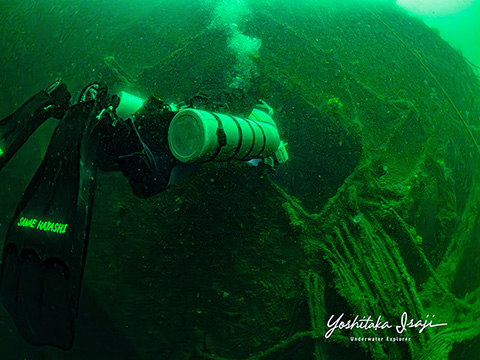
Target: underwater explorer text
367, 323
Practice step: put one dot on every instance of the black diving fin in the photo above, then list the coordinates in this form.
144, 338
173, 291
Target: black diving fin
16, 128
45, 248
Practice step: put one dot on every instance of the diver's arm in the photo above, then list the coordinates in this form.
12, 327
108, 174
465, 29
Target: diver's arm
148, 171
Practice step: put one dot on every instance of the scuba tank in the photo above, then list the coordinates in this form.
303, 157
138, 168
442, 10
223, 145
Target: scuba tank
197, 136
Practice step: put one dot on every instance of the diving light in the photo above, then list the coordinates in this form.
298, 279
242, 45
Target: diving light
128, 105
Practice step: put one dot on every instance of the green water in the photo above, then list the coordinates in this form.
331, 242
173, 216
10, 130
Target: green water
375, 214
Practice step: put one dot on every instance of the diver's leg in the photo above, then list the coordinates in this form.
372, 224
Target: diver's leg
16, 128
46, 244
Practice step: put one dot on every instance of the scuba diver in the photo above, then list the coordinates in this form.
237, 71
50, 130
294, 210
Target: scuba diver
152, 143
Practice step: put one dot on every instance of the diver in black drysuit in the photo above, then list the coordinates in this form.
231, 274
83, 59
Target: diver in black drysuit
139, 148
45, 248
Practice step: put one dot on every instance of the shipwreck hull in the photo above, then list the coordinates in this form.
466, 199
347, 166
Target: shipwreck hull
374, 214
